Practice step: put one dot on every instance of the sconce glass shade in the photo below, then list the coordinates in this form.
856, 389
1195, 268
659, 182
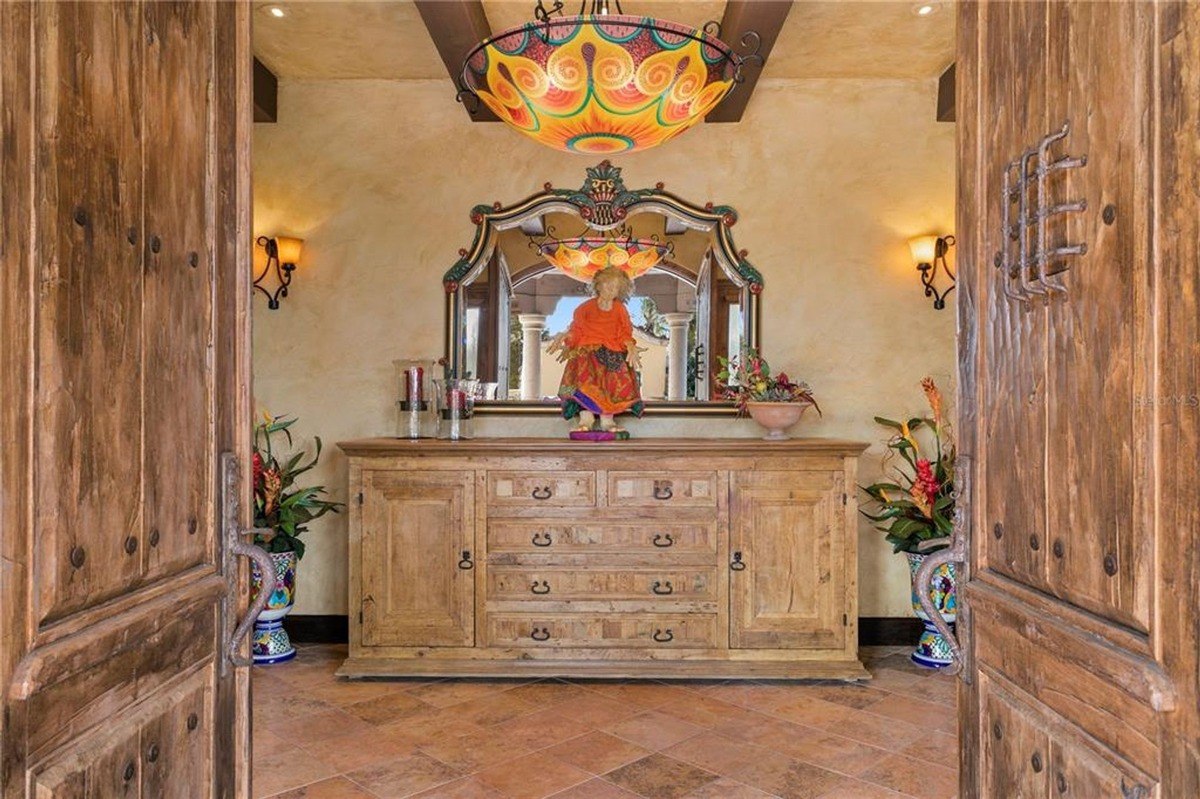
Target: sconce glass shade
923, 248
600, 83
583, 257
289, 249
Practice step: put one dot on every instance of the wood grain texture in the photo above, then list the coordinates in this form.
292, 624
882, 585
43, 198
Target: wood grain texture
456, 26
765, 18
583, 554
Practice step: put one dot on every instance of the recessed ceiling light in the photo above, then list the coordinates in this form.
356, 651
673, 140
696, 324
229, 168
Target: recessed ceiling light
276, 11
924, 9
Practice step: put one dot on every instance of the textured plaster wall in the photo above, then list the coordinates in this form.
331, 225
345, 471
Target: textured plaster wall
830, 177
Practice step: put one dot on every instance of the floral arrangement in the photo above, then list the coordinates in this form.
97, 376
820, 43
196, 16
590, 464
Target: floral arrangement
917, 505
278, 505
748, 379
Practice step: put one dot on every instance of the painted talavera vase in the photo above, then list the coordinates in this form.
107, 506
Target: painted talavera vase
933, 652
271, 643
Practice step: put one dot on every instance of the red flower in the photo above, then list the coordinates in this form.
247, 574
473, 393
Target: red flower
926, 482
257, 467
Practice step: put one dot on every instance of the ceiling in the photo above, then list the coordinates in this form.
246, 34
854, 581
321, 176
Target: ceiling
837, 39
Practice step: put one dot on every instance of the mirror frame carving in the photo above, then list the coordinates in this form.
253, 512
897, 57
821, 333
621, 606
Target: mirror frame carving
604, 203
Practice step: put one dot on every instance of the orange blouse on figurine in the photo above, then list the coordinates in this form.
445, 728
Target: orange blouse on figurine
592, 326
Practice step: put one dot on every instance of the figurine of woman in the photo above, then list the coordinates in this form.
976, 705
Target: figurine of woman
600, 378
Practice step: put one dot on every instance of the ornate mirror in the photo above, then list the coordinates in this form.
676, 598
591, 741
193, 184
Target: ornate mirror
696, 297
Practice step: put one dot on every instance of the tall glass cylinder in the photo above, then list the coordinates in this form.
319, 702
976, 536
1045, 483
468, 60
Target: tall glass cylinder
455, 406
414, 406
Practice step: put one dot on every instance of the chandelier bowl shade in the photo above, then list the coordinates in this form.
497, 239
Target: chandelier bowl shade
601, 83
581, 258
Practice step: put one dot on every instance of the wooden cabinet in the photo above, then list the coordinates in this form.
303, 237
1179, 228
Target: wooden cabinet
656, 558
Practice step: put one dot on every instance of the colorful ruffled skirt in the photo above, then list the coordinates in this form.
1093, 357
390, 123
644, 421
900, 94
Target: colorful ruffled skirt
599, 380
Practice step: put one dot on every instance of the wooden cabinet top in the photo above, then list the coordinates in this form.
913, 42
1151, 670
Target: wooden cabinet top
382, 447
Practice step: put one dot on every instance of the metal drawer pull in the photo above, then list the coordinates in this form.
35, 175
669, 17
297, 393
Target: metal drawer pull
540, 635
663, 541
542, 492
540, 588
663, 636
539, 542
737, 565
662, 589
662, 490
466, 563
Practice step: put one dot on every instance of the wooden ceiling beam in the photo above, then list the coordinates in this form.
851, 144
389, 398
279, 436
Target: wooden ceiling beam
266, 93
456, 26
766, 17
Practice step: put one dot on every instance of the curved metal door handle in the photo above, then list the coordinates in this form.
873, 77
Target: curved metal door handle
539, 542
540, 635
542, 492
663, 541
955, 553
663, 636
235, 546
662, 589
540, 588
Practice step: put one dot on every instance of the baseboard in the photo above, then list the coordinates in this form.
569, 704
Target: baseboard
888, 630
314, 629
872, 630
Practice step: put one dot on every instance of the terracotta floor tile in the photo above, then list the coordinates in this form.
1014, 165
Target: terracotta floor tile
543, 728
264, 742
833, 752
917, 712
936, 747
495, 709
914, 777
474, 751
855, 695
545, 693
874, 730
533, 776
643, 694
660, 777
597, 752
394, 779
434, 724
309, 730
941, 691
893, 681
812, 711
715, 753
755, 696
465, 788
287, 769
704, 710
857, 789
787, 777
387, 708
342, 692
363, 748
595, 789
271, 708
760, 729
333, 788
726, 788
653, 730
596, 711
453, 692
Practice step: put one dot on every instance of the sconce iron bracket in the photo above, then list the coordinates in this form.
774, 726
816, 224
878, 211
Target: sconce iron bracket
283, 272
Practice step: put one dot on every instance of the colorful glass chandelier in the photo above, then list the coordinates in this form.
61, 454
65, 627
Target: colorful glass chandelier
581, 257
602, 83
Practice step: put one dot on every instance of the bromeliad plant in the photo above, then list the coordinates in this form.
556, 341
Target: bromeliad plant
748, 379
918, 504
278, 505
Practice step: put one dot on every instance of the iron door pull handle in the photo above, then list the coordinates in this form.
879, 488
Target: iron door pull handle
466, 563
659, 538
542, 492
663, 636
540, 635
540, 588
233, 532
538, 542
662, 589
663, 491
737, 564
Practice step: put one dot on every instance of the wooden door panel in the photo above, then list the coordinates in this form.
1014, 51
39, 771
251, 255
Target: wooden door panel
89, 305
111, 771
1016, 747
1077, 771
178, 287
175, 748
418, 526
1012, 379
789, 593
1100, 546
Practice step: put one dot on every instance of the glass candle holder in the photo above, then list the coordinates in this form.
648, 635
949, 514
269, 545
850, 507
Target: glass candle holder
455, 406
414, 407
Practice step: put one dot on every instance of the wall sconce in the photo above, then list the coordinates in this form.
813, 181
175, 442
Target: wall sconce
282, 255
929, 254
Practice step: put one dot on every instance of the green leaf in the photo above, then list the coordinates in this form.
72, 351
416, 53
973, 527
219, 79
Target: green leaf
888, 423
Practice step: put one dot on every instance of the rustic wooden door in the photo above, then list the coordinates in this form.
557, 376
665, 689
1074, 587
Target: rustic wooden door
124, 359
1079, 356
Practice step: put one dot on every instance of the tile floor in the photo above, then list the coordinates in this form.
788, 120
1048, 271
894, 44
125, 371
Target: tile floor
320, 737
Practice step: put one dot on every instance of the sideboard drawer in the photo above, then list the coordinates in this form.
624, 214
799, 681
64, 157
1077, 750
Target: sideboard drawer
526, 583
554, 536
542, 489
662, 489
571, 631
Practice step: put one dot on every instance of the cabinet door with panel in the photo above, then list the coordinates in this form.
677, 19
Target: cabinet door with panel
787, 567
418, 532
